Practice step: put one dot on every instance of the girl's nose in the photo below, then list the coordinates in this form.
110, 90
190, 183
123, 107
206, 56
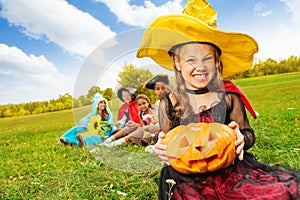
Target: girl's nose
199, 66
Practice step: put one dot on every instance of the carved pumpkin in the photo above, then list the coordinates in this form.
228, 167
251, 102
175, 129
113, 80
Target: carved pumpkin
200, 147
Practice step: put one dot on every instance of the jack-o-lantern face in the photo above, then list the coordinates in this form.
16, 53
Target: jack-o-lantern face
200, 147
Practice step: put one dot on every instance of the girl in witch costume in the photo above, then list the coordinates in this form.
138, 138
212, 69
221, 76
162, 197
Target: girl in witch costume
202, 57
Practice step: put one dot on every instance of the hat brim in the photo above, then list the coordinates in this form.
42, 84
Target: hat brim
167, 31
150, 84
120, 93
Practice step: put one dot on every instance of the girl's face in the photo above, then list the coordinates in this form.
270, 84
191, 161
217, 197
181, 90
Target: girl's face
126, 96
159, 88
196, 62
102, 105
142, 104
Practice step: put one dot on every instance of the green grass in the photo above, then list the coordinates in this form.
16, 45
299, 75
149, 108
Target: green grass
35, 165
277, 129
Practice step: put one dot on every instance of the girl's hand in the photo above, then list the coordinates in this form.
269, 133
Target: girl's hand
239, 143
160, 149
145, 128
130, 123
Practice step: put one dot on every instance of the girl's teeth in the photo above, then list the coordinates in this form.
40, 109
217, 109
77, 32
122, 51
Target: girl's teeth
200, 76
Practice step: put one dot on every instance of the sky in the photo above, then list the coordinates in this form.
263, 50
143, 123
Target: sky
49, 48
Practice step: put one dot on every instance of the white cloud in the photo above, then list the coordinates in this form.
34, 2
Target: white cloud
260, 10
141, 15
75, 31
28, 77
277, 34
294, 7
14, 62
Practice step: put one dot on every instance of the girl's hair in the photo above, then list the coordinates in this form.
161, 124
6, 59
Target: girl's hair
133, 97
180, 87
104, 112
143, 96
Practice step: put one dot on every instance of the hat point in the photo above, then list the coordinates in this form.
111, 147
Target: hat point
201, 10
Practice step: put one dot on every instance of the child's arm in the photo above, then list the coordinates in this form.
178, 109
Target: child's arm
168, 115
239, 115
239, 143
165, 106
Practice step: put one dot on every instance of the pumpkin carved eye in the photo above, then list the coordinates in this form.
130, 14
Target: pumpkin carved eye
212, 137
200, 147
184, 143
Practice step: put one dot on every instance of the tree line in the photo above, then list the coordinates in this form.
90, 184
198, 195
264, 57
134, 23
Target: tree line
134, 77
270, 66
64, 102
129, 77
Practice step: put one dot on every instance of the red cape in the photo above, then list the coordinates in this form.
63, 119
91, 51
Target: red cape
133, 111
122, 109
231, 87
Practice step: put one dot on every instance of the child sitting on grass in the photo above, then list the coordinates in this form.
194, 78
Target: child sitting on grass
135, 132
90, 126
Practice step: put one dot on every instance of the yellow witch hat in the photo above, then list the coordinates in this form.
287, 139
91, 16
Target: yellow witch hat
197, 23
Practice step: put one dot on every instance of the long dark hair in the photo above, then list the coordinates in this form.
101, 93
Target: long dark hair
104, 112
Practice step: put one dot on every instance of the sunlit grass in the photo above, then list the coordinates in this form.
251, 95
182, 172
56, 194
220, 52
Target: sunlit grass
35, 165
277, 129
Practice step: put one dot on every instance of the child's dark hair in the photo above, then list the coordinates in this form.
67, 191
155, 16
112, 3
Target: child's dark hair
104, 113
143, 96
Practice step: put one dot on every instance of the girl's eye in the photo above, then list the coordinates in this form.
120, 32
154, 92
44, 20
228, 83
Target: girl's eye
208, 58
191, 60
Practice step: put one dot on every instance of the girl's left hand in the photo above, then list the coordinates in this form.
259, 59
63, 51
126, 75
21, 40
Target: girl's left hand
239, 143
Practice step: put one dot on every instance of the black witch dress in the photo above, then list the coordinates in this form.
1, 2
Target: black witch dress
243, 180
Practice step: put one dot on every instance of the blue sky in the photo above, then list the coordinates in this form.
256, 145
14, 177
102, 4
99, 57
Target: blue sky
47, 47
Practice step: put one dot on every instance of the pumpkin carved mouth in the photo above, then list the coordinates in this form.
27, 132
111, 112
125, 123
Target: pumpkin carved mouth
200, 147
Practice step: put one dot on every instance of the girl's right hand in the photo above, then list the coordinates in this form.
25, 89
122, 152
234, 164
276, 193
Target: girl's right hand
161, 149
130, 123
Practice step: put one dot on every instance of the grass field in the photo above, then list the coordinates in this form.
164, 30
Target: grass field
35, 165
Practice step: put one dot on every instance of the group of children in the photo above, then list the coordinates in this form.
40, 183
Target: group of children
202, 57
137, 119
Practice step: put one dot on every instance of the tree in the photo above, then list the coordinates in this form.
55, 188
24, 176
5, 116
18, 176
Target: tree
92, 91
107, 93
7, 113
134, 77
